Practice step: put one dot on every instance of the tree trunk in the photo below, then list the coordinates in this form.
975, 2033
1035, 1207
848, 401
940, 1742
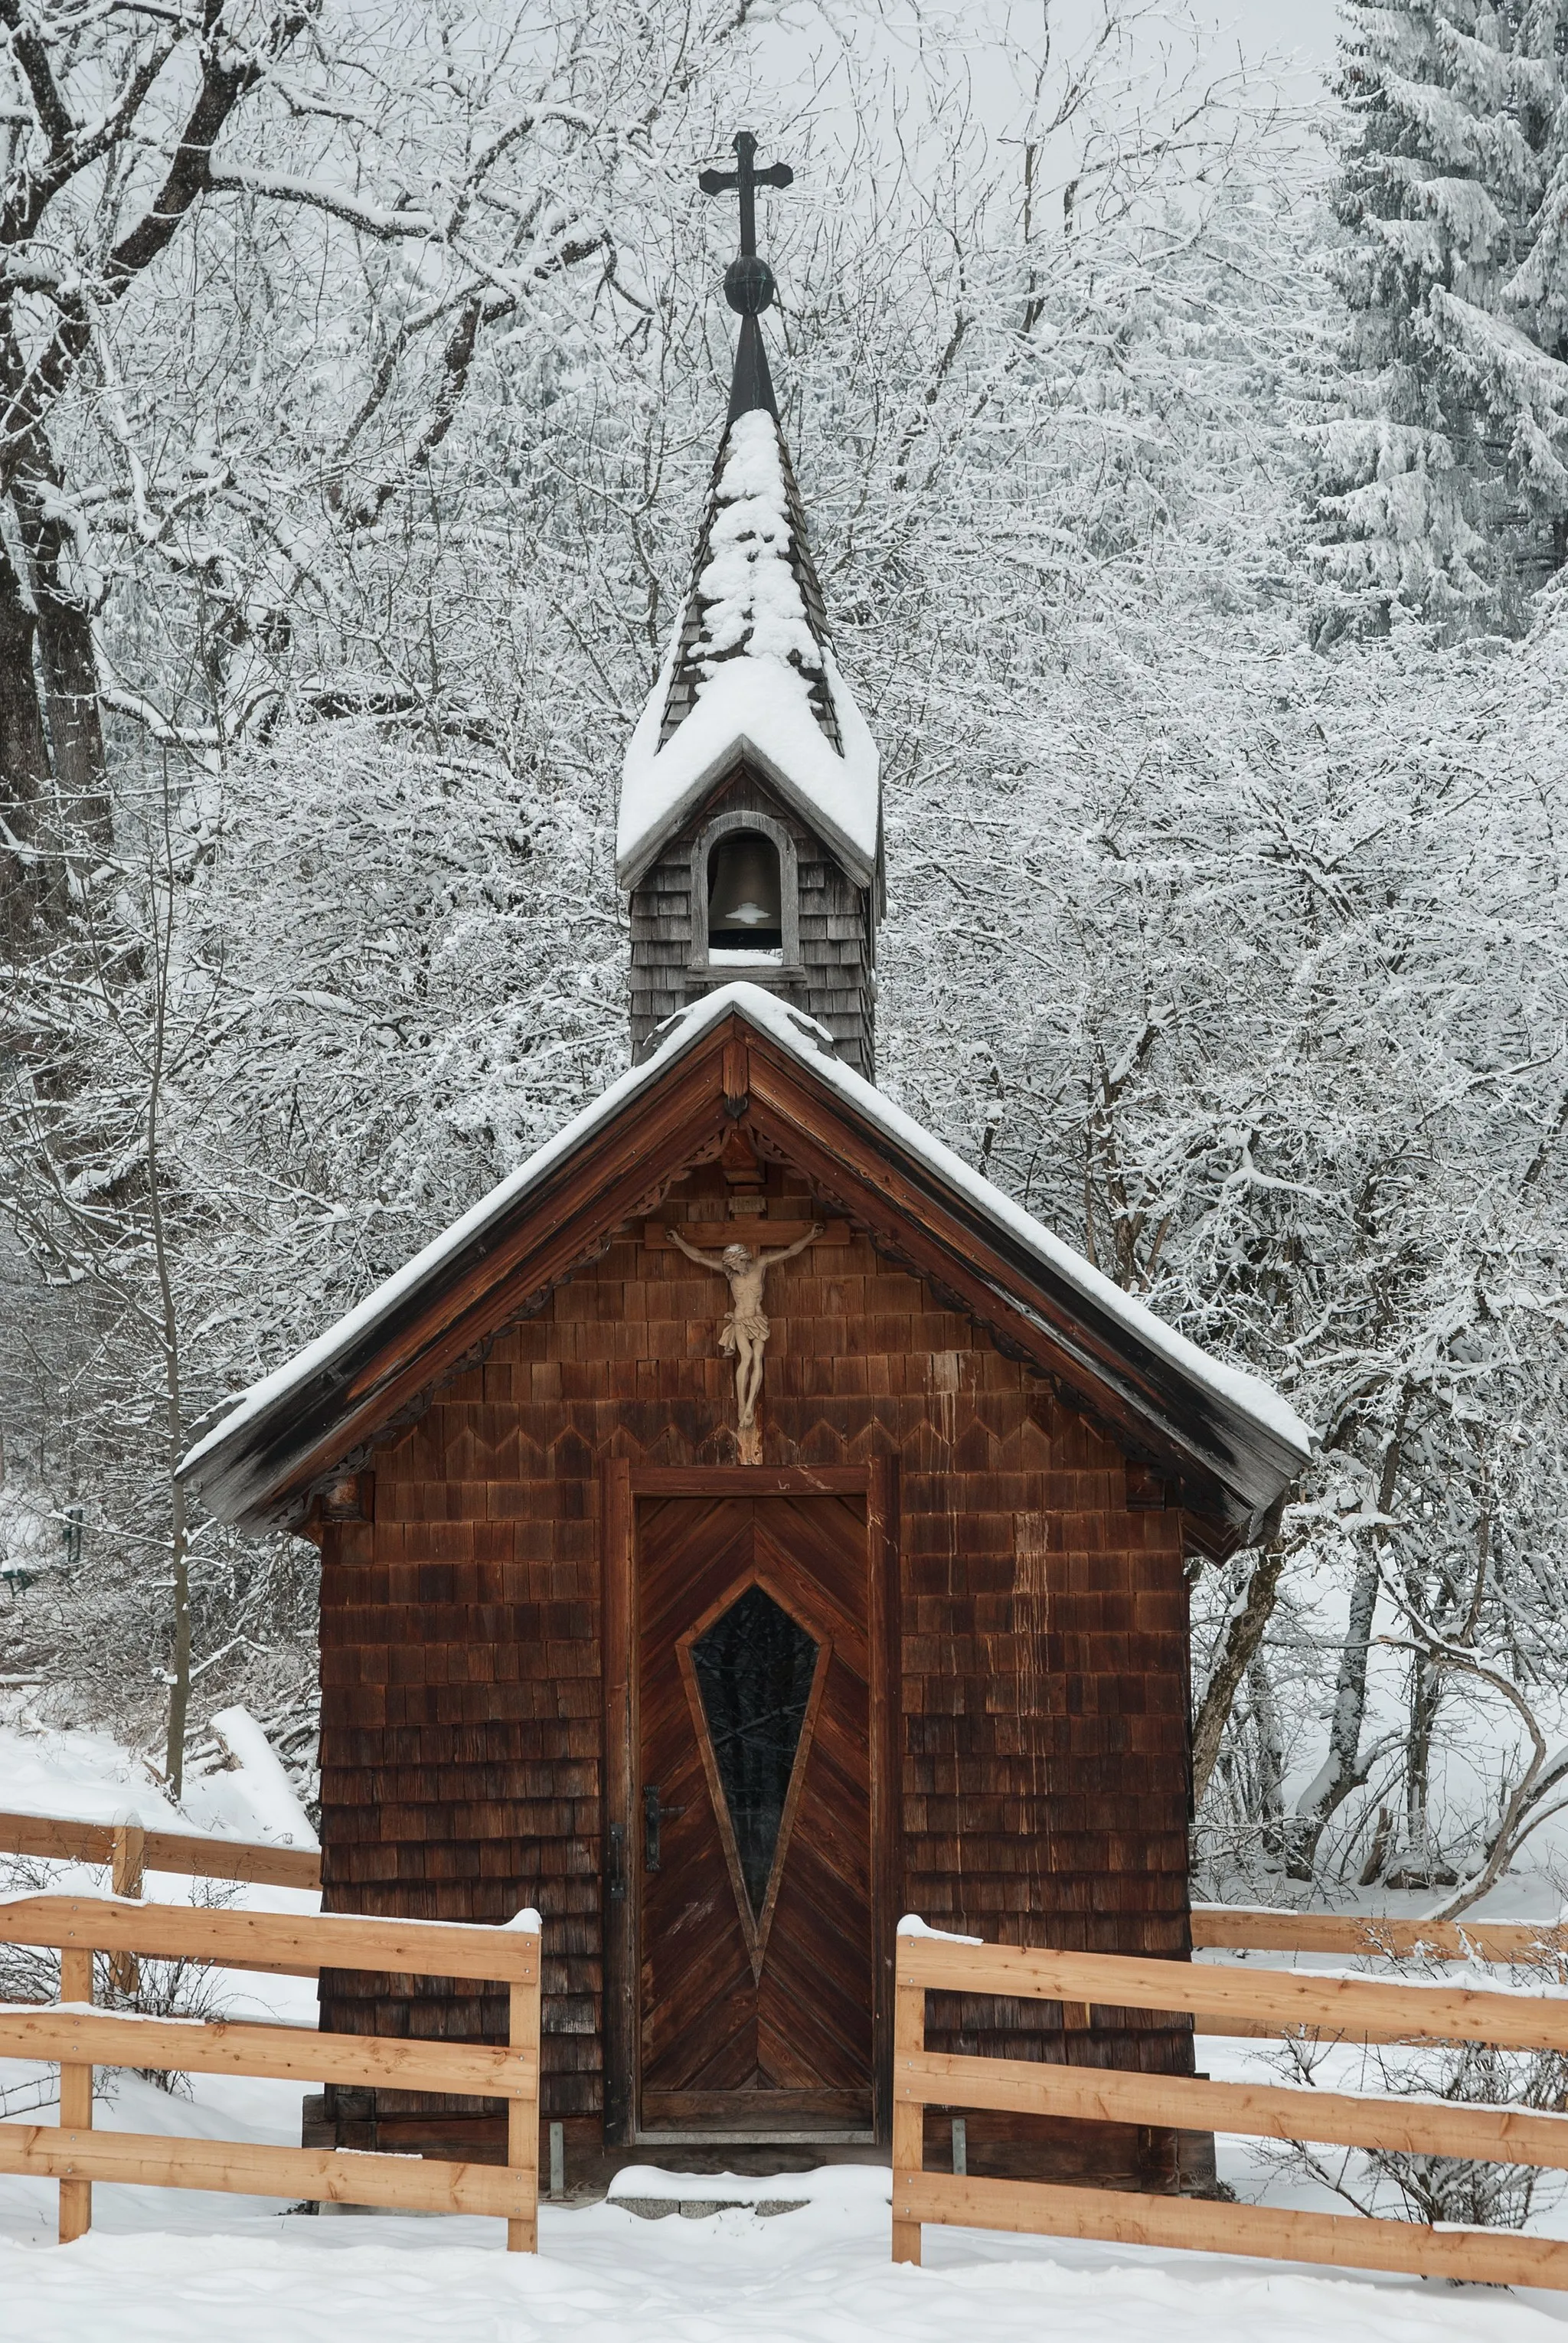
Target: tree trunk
180, 1668
1425, 1690
1242, 1636
26, 872
179, 1535
1338, 1776
1271, 1753
70, 671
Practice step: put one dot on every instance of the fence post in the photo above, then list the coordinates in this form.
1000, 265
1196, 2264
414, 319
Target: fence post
523, 2115
75, 2099
908, 2114
128, 1851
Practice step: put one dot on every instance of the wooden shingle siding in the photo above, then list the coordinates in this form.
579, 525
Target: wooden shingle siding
1042, 1730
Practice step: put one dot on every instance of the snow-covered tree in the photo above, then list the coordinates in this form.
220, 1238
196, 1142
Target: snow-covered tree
252, 258
1241, 964
1443, 485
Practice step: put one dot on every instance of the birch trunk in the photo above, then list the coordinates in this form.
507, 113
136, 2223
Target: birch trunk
1339, 1775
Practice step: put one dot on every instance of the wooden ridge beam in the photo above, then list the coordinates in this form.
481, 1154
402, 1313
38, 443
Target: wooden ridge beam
1190, 2103
1345, 2240
1277, 1997
296, 1943
407, 2184
279, 2053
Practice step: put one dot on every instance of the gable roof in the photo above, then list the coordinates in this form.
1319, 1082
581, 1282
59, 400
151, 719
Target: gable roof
742, 1056
750, 676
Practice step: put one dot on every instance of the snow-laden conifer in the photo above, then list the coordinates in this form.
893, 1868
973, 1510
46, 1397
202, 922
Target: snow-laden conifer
1443, 485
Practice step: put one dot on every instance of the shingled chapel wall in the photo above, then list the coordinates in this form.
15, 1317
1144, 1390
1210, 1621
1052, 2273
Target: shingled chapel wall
1043, 1733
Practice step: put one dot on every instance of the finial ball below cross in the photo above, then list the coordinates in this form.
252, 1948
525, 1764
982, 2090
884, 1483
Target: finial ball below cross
748, 281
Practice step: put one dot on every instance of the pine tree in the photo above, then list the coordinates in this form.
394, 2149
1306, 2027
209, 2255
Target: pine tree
1444, 489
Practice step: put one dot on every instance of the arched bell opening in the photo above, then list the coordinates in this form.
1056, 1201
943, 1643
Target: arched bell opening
745, 897
745, 909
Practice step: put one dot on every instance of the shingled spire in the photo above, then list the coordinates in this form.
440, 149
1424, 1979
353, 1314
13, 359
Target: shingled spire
750, 731
754, 586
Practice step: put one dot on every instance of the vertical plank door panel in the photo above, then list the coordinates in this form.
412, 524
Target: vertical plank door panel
755, 2021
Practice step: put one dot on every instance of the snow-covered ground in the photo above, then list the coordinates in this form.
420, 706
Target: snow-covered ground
91, 1777
186, 2267
234, 2271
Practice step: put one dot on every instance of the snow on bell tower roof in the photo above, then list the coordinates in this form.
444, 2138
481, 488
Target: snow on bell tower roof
750, 676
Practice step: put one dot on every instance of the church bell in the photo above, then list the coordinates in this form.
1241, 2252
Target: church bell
744, 896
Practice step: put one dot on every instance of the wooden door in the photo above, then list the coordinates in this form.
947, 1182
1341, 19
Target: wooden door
751, 1816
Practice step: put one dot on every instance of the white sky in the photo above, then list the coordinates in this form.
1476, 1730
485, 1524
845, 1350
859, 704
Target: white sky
1305, 27
800, 54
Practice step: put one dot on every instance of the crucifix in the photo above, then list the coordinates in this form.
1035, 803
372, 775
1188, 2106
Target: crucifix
745, 1332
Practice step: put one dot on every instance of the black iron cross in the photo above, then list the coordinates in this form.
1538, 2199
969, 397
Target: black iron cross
745, 178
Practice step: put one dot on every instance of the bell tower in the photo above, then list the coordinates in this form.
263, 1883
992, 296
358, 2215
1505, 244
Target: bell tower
749, 839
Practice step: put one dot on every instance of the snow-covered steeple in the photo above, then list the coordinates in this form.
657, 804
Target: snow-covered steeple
750, 675
751, 732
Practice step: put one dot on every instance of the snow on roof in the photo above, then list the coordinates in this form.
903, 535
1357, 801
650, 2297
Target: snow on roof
750, 674
809, 1043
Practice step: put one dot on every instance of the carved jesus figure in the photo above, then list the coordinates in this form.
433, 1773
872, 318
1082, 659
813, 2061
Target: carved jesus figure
746, 1328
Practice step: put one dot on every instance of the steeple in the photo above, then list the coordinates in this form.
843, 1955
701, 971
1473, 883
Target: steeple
750, 753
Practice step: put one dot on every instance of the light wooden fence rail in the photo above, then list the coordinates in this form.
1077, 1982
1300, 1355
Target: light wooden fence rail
1233, 1927
1232, 2000
1215, 1926
180, 1852
80, 2037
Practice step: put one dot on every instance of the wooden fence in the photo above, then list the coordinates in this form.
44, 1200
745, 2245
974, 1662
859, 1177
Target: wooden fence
1215, 1926
182, 1853
1226, 2001
1233, 2002
79, 2038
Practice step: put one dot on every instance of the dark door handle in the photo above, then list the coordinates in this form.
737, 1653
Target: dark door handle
653, 1813
614, 1864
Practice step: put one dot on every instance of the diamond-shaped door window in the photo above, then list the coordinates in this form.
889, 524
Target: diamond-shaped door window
754, 1668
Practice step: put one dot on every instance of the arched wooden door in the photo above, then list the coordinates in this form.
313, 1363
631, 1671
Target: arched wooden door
751, 1814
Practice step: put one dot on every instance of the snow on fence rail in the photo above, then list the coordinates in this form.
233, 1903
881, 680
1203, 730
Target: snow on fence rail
296, 1944
183, 1853
1231, 2001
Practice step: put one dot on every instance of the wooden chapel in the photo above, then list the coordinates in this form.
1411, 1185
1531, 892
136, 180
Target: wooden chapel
747, 1526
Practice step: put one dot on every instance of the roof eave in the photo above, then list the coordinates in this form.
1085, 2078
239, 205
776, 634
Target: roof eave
1234, 1466
1197, 1426
741, 749
262, 1473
